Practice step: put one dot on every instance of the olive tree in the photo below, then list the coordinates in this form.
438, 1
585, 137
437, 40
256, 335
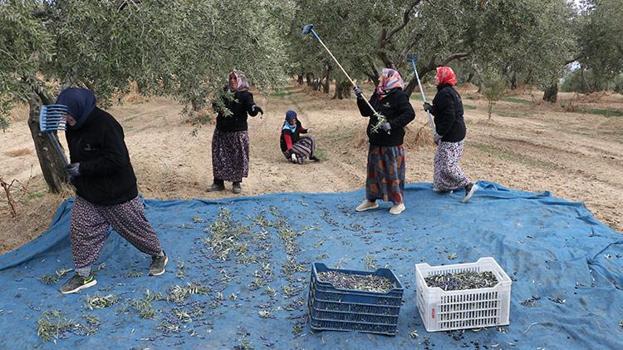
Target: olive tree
180, 48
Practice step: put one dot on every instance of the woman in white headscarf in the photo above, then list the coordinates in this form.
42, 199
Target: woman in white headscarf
386, 156
230, 143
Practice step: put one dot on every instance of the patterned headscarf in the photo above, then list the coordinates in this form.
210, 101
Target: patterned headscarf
390, 79
445, 76
243, 83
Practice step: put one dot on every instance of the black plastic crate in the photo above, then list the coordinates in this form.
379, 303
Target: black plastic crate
337, 309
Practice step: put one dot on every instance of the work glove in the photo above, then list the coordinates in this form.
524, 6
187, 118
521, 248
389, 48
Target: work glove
358, 91
73, 170
386, 126
255, 108
293, 158
428, 107
437, 139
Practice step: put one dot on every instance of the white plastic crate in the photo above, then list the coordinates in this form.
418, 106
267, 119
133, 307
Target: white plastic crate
462, 309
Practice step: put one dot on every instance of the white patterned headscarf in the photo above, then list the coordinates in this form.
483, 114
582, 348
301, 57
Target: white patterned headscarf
241, 78
390, 79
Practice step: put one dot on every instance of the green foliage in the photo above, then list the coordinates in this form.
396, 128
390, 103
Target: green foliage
493, 88
601, 39
182, 48
53, 324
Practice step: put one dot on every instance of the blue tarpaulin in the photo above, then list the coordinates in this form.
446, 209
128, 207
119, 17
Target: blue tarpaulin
250, 290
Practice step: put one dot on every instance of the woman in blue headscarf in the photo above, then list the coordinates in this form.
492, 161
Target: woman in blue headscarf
296, 148
106, 192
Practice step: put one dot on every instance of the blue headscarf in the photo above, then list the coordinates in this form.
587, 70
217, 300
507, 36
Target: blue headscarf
289, 116
80, 102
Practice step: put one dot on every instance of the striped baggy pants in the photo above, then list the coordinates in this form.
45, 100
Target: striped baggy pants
304, 148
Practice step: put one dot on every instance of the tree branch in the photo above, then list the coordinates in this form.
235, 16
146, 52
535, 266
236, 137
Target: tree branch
405, 20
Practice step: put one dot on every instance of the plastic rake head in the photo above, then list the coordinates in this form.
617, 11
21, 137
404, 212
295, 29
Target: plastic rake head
412, 57
308, 28
52, 117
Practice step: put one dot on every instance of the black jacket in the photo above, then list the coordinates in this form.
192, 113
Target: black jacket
448, 112
106, 175
240, 105
397, 110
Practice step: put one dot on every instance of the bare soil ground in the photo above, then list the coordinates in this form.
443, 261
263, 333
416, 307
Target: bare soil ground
573, 149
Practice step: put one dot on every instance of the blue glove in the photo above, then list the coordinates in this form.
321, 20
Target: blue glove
73, 170
386, 126
358, 91
428, 107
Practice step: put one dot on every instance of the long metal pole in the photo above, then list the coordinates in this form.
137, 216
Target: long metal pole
430, 117
342, 68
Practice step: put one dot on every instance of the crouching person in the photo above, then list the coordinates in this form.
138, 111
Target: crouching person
296, 148
106, 191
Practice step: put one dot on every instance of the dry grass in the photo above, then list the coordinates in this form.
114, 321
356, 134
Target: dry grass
529, 146
35, 209
19, 152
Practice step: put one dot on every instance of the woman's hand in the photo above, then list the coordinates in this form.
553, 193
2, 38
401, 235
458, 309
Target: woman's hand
258, 109
428, 107
358, 91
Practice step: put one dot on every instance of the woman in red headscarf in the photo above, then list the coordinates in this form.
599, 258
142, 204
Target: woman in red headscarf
386, 156
447, 108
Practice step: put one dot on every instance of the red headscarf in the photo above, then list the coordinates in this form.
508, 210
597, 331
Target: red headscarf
445, 76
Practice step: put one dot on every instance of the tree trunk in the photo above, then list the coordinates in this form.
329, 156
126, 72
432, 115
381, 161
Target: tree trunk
411, 86
299, 79
316, 85
51, 162
514, 81
470, 77
551, 93
327, 79
310, 79
342, 90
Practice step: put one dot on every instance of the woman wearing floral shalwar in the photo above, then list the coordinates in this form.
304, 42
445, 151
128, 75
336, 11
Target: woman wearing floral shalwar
447, 108
386, 156
230, 143
106, 191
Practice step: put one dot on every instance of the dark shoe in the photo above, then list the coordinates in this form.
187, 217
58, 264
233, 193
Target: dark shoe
216, 187
77, 283
157, 264
314, 158
235, 187
470, 189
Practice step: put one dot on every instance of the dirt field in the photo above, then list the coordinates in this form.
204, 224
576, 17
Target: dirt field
573, 149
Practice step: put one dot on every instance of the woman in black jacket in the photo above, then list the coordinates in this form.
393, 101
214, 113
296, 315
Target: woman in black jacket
386, 156
447, 108
106, 192
230, 143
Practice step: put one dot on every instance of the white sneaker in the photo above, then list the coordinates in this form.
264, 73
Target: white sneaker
436, 190
367, 205
397, 209
470, 189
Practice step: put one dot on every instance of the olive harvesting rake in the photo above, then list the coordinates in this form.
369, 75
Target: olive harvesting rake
309, 29
51, 120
